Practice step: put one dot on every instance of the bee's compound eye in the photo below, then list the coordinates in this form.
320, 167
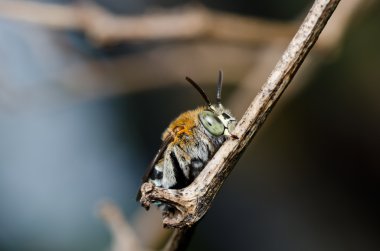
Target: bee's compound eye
212, 123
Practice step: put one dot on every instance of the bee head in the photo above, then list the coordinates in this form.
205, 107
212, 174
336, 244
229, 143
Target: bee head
216, 119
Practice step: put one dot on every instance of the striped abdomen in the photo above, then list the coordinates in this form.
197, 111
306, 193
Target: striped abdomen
183, 160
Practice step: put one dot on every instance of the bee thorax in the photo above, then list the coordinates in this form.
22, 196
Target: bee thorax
184, 160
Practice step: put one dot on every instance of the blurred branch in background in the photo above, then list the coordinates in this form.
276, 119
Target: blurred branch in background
329, 41
124, 237
160, 65
104, 27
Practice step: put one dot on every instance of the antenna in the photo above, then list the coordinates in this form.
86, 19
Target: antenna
219, 88
199, 89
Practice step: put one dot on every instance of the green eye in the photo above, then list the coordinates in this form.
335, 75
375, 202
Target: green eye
211, 123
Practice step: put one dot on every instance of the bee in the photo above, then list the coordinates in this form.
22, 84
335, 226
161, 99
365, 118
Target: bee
189, 142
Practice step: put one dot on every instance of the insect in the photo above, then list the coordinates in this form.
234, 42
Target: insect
190, 141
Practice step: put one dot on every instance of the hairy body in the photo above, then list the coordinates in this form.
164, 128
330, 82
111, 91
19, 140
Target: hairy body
185, 156
189, 143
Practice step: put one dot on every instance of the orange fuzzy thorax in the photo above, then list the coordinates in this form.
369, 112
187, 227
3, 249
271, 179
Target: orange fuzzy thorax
184, 124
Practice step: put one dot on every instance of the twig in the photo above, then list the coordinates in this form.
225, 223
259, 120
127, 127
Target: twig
194, 201
124, 238
148, 228
104, 27
180, 239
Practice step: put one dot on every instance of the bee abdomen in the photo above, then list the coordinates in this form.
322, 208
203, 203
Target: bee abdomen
181, 179
157, 174
197, 166
181, 164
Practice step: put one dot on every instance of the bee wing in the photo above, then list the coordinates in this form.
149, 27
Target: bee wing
156, 158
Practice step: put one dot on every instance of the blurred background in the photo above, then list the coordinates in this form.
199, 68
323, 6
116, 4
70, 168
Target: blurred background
87, 88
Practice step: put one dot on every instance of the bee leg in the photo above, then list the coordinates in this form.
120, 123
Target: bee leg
167, 210
173, 173
197, 166
183, 159
233, 136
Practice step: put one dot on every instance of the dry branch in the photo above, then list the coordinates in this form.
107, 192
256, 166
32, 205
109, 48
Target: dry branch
124, 237
185, 23
179, 240
194, 201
